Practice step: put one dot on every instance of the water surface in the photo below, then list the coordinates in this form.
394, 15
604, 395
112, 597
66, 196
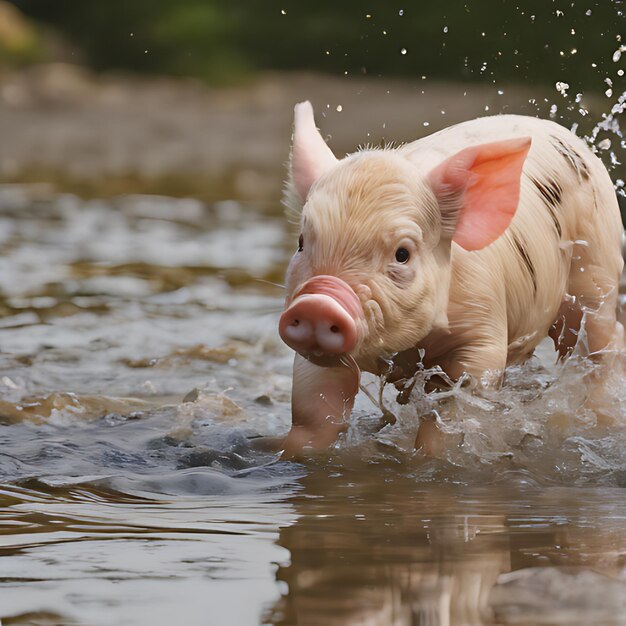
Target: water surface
142, 383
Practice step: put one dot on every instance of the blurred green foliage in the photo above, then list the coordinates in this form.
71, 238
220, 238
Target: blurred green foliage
19, 41
537, 41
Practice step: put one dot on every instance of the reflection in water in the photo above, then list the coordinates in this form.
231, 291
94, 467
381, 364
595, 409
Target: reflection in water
375, 548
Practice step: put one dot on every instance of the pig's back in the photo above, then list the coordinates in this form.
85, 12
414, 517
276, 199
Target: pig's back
566, 196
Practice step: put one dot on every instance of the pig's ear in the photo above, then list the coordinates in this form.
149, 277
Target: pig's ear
478, 191
310, 156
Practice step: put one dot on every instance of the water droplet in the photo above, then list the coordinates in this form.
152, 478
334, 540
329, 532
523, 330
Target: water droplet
553, 110
617, 55
588, 12
426, 123
605, 144
403, 51
445, 29
401, 12
500, 92
562, 88
339, 108
283, 11
608, 93
620, 72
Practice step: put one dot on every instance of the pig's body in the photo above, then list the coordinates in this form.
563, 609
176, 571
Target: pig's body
505, 229
561, 250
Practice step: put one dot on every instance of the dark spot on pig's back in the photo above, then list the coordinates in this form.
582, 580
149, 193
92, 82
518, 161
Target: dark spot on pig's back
550, 190
530, 267
552, 193
573, 159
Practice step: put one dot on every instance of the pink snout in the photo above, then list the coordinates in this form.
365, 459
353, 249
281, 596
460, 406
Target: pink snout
321, 318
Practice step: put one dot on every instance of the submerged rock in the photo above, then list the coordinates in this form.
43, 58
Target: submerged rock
558, 595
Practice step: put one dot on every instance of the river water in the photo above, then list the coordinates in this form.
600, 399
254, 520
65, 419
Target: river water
142, 385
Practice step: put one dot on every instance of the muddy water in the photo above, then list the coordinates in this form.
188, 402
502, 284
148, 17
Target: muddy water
142, 384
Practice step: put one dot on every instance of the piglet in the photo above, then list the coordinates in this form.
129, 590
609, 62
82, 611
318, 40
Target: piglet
461, 250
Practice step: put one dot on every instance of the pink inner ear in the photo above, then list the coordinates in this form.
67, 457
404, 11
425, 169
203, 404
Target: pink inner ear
479, 189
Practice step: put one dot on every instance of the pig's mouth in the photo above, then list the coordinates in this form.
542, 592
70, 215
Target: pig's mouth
322, 321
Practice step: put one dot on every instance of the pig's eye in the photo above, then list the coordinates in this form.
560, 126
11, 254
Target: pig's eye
402, 255
300, 243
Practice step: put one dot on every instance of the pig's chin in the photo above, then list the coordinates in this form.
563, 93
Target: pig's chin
327, 360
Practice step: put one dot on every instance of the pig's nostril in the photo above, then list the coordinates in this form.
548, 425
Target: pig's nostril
334, 329
295, 322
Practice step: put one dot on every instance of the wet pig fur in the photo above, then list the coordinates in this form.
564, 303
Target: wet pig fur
468, 247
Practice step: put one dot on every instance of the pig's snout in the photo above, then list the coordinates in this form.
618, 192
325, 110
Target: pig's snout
322, 318
317, 323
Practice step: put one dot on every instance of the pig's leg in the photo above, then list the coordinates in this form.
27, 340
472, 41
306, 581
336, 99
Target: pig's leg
483, 357
321, 401
592, 311
594, 281
593, 290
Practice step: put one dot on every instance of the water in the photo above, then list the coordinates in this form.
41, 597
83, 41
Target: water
143, 386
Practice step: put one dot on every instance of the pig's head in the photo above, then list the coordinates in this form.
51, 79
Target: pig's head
371, 273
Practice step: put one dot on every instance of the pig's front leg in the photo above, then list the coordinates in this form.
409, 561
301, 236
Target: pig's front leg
321, 401
484, 360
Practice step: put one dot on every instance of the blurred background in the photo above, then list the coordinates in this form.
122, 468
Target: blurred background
142, 379
194, 97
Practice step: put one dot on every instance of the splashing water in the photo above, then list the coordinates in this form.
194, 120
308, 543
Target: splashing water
540, 422
606, 133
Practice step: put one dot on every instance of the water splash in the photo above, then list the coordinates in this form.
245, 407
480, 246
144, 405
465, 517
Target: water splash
606, 136
550, 421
